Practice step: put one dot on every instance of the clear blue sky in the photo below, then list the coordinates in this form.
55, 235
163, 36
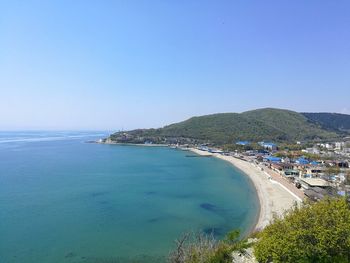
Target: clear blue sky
127, 64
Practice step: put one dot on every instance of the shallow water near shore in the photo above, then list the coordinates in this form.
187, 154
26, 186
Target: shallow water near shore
66, 201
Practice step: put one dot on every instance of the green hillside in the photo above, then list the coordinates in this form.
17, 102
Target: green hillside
330, 121
257, 125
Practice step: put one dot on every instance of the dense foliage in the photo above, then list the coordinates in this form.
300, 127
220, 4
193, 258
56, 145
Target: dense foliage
312, 233
226, 128
202, 248
330, 121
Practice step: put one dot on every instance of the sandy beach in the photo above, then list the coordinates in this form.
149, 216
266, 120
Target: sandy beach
273, 197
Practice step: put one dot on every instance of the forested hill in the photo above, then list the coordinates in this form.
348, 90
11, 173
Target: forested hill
263, 124
330, 121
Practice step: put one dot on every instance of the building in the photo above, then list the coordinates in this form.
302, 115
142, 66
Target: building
279, 167
308, 183
342, 164
302, 161
315, 171
285, 169
311, 150
339, 145
272, 159
263, 152
268, 145
291, 173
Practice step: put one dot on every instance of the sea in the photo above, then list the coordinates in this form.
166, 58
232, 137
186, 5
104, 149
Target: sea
65, 200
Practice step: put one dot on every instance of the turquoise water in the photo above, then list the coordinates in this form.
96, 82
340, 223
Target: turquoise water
66, 201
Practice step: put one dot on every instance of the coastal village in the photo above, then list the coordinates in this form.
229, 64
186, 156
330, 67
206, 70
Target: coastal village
315, 172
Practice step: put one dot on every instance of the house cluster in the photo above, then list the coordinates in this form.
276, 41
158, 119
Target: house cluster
331, 149
319, 171
327, 175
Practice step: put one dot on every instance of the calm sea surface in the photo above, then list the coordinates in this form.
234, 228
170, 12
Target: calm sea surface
66, 201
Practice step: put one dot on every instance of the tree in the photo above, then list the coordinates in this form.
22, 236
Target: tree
318, 232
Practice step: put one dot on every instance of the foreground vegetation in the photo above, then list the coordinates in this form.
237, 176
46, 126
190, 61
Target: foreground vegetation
317, 232
200, 248
313, 232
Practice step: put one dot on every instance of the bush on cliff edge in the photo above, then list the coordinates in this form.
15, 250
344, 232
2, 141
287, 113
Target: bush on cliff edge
318, 232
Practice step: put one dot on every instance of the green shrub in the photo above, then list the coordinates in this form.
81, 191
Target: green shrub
318, 232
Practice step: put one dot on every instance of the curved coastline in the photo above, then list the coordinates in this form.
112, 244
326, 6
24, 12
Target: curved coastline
273, 198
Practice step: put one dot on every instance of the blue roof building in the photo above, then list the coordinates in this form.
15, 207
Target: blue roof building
302, 160
273, 159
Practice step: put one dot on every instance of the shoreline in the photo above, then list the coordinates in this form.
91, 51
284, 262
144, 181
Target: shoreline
273, 198
133, 144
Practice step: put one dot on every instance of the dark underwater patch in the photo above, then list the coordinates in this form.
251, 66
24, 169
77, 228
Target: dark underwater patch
208, 206
153, 220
